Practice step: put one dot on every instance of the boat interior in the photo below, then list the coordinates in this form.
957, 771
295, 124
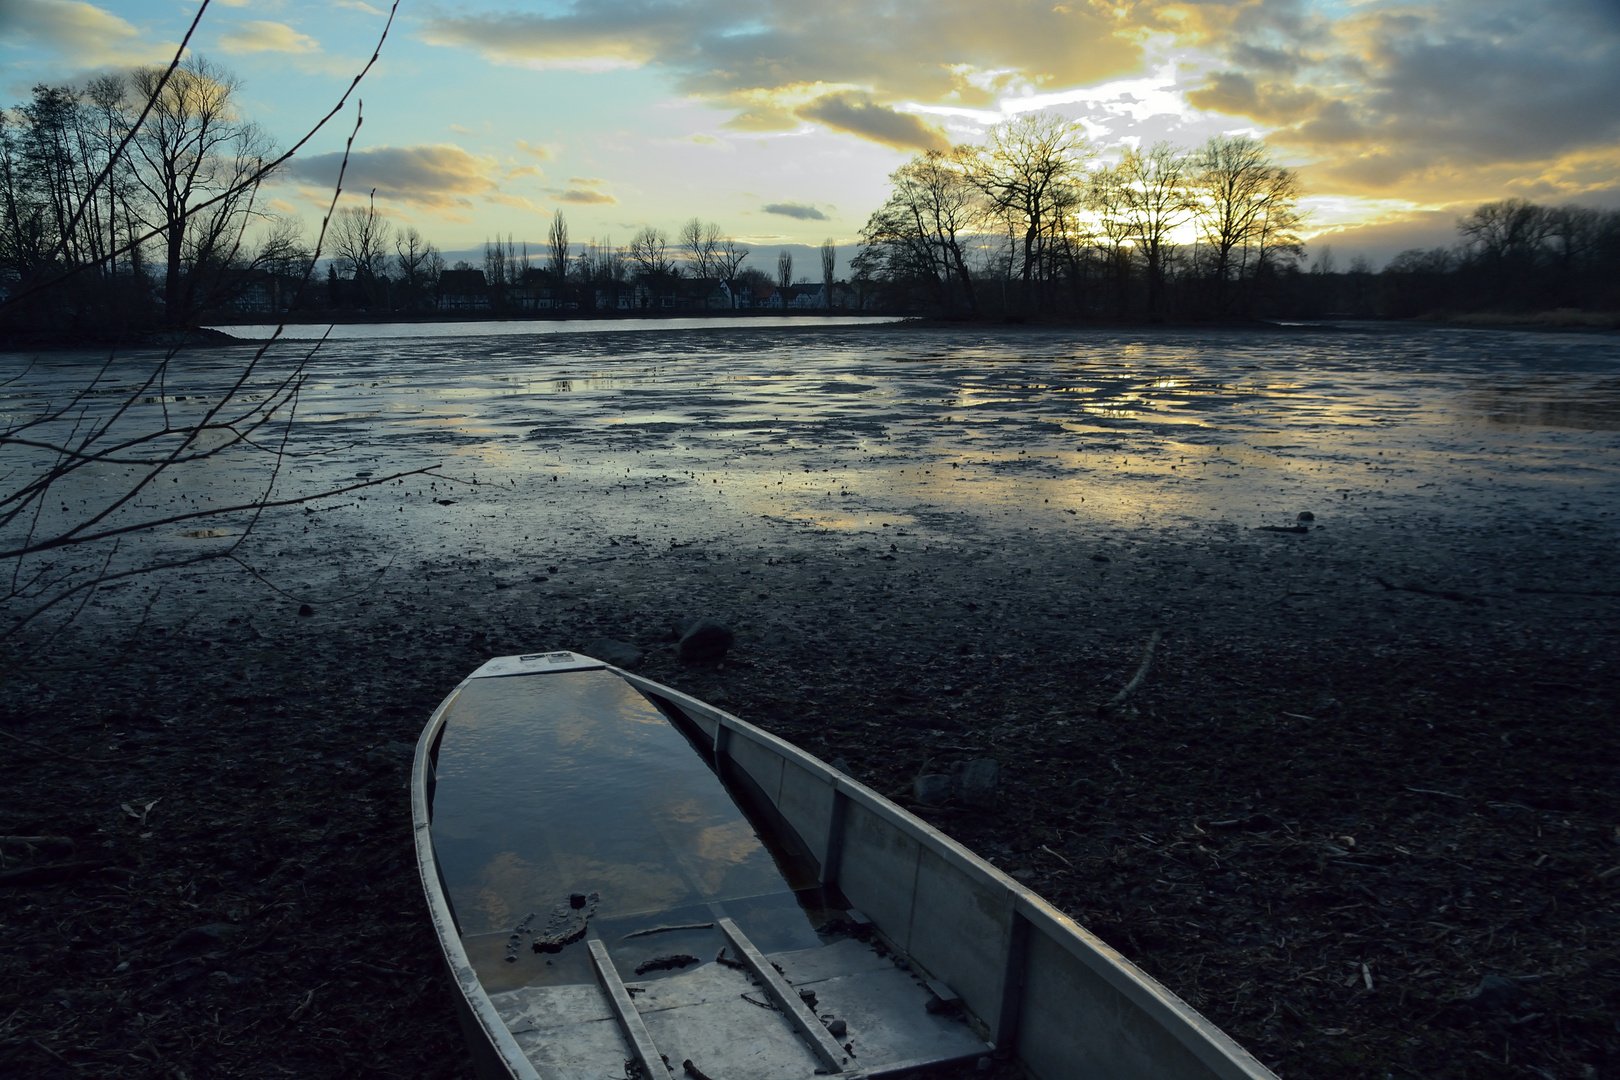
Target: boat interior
631, 905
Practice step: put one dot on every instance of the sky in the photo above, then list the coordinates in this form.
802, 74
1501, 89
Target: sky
781, 121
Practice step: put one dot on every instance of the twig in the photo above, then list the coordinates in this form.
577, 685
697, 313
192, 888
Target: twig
1119, 699
37, 746
1444, 594
1431, 791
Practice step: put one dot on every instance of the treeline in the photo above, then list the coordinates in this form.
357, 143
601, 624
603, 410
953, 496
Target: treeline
135, 200
1512, 257
1027, 224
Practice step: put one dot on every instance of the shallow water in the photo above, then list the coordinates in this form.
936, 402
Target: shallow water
556, 445
574, 783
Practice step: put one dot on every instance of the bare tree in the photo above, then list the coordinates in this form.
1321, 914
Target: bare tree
649, 251
1152, 186
829, 267
84, 488
784, 268
360, 239
1105, 197
417, 264
200, 164
557, 246
701, 243
1243, 202
1028, 169
920, 232
729, 257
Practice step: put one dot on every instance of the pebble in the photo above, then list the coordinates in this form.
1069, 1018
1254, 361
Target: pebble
703, 641
933, 789
975, 781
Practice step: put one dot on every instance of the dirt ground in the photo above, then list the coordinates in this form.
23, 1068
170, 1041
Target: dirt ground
1363, 813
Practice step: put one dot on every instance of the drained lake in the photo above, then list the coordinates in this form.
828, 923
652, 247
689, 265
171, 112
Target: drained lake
552, 446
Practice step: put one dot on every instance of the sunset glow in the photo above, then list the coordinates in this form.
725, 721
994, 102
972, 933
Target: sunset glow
782, 122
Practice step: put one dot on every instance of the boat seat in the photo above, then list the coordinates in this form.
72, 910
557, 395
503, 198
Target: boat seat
722, 1020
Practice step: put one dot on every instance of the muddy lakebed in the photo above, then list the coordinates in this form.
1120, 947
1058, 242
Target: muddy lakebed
1363, 812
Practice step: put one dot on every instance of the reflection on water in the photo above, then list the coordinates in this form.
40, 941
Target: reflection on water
575, 783
757, 432
555, 784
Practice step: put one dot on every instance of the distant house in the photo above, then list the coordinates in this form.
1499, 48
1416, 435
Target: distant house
535, 291
702, 293
463, 290
806, 297
767, 297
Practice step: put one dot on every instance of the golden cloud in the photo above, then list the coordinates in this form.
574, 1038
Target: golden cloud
433, 177
91, 35
715, 48
857, 114
258, 36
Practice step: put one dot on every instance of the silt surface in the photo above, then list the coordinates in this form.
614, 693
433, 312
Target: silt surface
1371, 770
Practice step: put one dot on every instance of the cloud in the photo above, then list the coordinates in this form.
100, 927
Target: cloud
434, 177
762, 118
539, 150
1426, 102
90, 35
357, 5
717, 48
795, 210
585, 197
858, 114
258, 36
1441, 101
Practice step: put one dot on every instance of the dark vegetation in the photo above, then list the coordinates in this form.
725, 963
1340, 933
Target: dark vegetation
1367, 830
1027, 227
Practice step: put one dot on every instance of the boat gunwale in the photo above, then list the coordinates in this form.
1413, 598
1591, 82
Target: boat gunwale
1211, 1046
1207, 1042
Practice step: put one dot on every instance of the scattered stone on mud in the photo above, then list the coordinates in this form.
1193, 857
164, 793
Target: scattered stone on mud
702, 641
974, 782
618, 653
934, 789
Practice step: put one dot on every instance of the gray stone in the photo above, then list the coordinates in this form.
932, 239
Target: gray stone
974, 782
703, 641
202, 939
618, 653
933, 789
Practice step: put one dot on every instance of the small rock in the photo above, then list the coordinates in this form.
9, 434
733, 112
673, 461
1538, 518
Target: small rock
1494, 992
305, 610
975, 781
933, 789
841, 765
703, 641
1306, 515
618, 653
201, 939
838, 1028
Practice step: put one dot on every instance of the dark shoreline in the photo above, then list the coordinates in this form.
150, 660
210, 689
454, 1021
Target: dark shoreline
1440, 700
217, 334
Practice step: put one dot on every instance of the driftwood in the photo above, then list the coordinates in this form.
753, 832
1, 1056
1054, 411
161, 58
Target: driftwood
1116, 702
44, 875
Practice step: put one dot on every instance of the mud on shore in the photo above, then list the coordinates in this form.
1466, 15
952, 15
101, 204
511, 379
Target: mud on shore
1372, 771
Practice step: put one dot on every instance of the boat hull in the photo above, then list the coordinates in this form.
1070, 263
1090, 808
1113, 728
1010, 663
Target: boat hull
1032, 981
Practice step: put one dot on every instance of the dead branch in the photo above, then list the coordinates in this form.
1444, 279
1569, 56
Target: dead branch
1114, 703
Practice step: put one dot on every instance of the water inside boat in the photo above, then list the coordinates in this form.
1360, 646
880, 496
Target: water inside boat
570, 817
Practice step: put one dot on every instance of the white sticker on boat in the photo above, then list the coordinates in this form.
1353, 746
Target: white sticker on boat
535, 663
